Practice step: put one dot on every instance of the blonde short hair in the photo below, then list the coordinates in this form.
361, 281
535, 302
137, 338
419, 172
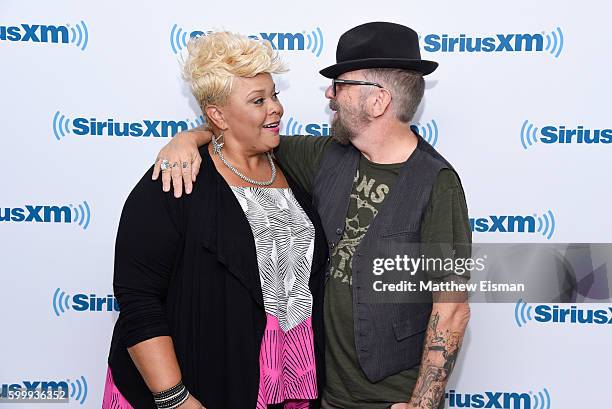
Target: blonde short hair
214, 60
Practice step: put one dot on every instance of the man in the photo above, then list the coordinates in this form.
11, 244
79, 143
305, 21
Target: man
379, 188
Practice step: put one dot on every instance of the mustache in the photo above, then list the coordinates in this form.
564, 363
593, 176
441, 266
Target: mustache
333, 105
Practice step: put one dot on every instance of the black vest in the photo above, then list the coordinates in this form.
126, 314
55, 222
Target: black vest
389, 336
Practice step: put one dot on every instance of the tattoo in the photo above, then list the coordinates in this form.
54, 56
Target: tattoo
439, 357
428, 376
433, 325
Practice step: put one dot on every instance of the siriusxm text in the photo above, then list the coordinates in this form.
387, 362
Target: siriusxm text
573, 314
145, 128
32, 386
488, 399
494, 43
91, 302
34, 33
504, 224
279, 41
561, 134
36, 214
317, 129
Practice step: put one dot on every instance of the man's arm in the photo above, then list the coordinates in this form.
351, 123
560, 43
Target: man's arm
184, 158
299, 156
446, 227
443, 340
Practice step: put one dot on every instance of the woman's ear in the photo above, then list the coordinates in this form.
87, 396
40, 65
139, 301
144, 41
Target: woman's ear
215, 114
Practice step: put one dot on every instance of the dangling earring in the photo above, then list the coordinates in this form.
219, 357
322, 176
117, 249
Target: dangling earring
216, 144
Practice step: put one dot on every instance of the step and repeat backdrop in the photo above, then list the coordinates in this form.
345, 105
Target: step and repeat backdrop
90, 91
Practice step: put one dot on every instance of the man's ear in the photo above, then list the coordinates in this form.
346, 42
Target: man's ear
380, 101
215, 114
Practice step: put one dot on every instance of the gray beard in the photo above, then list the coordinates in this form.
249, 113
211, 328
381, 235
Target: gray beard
341, 132
346, 122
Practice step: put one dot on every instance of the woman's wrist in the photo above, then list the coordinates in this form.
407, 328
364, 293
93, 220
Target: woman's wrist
171, 398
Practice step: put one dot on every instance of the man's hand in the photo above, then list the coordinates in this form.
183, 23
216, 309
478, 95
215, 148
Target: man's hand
184, 161
400, 406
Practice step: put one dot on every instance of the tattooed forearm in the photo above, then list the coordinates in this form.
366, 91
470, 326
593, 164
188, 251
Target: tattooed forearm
442, 343
429, 376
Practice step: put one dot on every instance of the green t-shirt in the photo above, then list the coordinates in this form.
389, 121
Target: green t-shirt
446, 221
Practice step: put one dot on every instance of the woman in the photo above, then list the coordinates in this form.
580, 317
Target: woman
221, 291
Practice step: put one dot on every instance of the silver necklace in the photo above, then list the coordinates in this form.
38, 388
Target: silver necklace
217, 151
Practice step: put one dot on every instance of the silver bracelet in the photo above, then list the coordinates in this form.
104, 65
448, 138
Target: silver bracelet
171, 398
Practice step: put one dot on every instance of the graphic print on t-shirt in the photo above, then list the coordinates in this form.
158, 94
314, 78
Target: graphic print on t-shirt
366, 201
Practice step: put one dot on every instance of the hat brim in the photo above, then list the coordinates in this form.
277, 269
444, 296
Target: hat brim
423, 66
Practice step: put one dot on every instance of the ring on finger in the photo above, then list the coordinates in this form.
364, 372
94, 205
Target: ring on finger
185, 165
164, 165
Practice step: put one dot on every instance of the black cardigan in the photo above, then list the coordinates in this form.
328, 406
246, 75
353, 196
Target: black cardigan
187, 268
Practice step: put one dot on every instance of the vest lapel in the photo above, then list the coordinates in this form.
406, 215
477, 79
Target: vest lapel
332, 189
407, 186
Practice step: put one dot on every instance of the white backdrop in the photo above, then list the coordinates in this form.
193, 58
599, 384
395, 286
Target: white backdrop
66, 62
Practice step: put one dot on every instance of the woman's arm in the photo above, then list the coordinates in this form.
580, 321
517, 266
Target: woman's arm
156, 361
148, 244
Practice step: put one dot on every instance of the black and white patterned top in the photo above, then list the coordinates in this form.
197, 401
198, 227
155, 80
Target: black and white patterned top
284, 239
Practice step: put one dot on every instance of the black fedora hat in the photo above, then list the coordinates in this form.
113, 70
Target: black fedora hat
379, 45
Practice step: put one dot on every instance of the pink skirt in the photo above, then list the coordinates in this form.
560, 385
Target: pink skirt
113, 399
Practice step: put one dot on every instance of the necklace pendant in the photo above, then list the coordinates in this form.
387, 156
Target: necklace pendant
217, 148
216, 145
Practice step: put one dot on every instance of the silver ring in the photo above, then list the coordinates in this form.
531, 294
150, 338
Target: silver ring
165, 164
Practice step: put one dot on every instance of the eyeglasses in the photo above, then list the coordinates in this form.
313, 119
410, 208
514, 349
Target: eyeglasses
351, 82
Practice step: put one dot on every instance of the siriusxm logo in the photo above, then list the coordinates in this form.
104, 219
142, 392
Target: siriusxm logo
503, 400
544, 224
299, 41
79, 214
524, 313
551, 43
550, 134
294, 127
75, 390
62, 302
82, 126
77, 35
429, 130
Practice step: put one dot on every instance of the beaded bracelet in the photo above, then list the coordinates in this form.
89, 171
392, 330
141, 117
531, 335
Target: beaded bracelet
171, 398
